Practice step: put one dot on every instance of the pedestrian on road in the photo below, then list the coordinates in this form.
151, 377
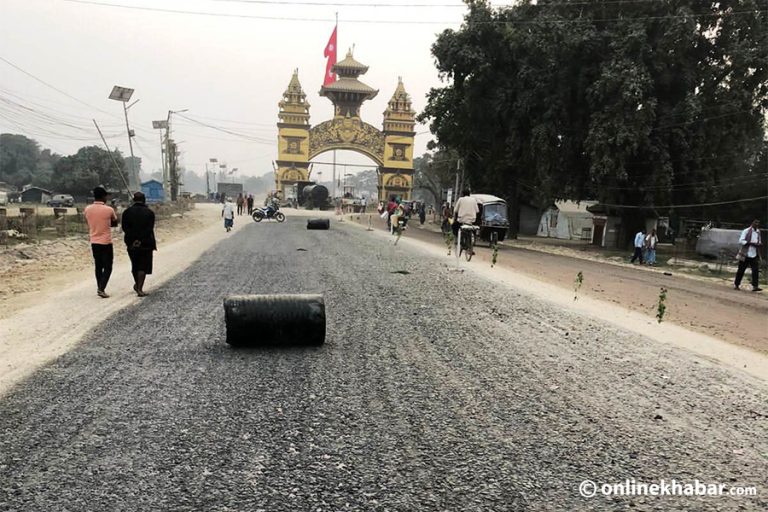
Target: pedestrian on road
639, 245
101, 219
650, 247
250, 204
445, 226
391, 205
422, 214
240, 203
139, 227
749, 256
228, 214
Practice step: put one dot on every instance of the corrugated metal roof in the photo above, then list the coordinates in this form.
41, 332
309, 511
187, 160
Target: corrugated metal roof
574, 207
485, 198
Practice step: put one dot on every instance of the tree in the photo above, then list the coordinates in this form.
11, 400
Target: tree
18, 159
434, 173
638, 104
22, 162
89, 167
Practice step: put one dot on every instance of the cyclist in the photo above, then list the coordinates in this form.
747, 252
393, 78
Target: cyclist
465, 211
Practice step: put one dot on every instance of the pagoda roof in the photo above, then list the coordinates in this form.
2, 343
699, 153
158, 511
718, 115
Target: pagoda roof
346, 84
350, 65
294, 86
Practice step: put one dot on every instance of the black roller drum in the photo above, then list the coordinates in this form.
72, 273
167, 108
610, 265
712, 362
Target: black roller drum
319, 224
286, 320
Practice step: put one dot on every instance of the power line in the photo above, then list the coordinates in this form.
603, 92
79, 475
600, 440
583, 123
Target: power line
412, 22
339, 4
224, 130
54, 87
684, 205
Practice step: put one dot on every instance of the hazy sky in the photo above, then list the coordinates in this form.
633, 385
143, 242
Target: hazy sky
228, 69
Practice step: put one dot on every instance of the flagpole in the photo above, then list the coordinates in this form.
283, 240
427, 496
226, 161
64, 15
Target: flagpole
336, 29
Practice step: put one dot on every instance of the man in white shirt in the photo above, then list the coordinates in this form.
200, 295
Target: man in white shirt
228, 213
750, 241
639, 244
465, 211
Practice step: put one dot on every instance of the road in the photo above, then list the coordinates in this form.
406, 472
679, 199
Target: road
434, 391
706, 306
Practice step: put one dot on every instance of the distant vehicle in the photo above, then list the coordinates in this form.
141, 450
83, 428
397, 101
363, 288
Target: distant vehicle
493, 218
61, 200
315, 196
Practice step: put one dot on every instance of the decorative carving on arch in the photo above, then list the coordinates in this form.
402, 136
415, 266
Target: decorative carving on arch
397, 181
347, 133
292, 174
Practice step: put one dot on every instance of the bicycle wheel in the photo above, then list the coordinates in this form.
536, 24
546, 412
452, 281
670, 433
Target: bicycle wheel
468, 250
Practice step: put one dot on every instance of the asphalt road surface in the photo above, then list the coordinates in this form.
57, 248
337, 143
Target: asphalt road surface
434, 391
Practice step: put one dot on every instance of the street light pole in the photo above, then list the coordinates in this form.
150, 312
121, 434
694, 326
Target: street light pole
123, 94
171, 154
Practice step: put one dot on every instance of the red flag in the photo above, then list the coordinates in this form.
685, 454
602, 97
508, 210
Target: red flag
330, 54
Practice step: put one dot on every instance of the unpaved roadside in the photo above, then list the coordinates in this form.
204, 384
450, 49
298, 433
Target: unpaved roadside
39, 326
711, 308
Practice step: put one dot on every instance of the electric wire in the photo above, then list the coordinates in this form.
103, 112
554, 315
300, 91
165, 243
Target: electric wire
414, 22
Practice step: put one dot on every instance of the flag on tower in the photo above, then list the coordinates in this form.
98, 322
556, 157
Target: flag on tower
330, 54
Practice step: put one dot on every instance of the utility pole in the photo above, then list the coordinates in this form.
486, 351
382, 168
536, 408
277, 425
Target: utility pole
170, 151
207, 183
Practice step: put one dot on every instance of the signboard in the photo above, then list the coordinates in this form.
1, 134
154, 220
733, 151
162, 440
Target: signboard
449, 197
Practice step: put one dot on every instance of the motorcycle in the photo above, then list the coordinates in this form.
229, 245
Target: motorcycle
269, 212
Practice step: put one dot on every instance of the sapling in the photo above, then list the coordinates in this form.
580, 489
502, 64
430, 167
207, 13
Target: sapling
577, 284
661, 308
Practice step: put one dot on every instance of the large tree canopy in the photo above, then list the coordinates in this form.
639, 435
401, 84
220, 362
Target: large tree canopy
90, 166
632, 103
22, 162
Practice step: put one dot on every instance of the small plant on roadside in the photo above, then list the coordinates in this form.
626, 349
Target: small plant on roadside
448, 241
577, 284
661, 308
494, 255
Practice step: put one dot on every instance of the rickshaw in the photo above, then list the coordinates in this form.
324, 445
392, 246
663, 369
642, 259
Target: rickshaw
493, 219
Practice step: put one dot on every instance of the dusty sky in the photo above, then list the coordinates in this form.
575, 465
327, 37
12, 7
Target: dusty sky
228, 69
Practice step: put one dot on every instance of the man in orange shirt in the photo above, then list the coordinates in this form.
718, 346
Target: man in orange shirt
101, 219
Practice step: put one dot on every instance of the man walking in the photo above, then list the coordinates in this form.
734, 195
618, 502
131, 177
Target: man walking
240, 203
748, 256
139, 228
101, 219
650, 247
228, 214
249, 202
639, 245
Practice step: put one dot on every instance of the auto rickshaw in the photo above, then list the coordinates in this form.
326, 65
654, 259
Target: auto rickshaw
493, 218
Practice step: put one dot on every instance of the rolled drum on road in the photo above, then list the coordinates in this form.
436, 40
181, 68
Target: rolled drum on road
319, 224
254, 320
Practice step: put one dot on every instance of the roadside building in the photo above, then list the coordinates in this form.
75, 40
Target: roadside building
36, 195
153, 191
567, 220
609, 231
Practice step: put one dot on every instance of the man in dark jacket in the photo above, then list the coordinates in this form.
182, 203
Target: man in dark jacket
139, 229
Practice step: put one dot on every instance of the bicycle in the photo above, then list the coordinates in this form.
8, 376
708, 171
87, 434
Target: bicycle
468, 232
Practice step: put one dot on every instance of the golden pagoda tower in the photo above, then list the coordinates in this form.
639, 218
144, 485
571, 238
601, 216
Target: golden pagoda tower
396, 175
292, 139
348, 93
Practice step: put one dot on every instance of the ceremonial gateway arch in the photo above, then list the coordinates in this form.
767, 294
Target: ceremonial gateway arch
390, 148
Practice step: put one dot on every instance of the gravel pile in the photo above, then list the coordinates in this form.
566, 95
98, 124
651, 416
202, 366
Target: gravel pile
434, 391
